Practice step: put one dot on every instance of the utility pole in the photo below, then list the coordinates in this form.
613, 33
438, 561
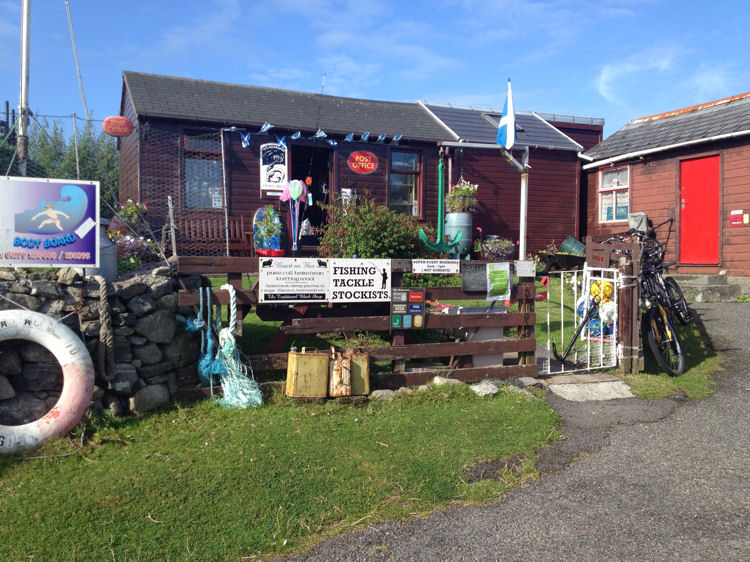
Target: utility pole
22, 131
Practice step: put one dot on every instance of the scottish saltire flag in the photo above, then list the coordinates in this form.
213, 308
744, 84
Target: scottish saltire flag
281, 141
506, 131
396, 138
296, 135
264, 128
319, 134
245, 139
381, 138
349, 137
332, 142
365, 136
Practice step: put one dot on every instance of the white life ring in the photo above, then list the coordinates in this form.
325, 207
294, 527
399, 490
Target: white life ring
78, 378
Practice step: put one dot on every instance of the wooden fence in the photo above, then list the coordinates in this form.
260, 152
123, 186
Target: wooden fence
319, 318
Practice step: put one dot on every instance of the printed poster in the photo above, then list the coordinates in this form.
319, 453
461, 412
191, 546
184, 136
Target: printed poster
49, 222
273, 158
498, 281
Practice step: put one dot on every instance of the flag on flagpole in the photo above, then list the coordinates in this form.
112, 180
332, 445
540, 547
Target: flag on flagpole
506, 131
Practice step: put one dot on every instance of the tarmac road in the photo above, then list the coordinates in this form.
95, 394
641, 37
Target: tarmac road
632, 480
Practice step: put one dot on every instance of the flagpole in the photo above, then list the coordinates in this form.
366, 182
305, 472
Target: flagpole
524, 205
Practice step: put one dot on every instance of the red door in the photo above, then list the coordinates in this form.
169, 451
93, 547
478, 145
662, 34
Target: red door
699, 211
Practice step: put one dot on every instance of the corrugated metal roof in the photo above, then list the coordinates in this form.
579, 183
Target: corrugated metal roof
478, 125
238, 105
684, 126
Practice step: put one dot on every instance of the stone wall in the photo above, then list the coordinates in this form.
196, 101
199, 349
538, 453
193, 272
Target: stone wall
152, 355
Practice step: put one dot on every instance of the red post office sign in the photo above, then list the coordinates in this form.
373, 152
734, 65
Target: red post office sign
117, 126
362, 162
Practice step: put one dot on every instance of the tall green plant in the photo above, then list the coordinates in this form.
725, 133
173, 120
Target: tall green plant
369, 230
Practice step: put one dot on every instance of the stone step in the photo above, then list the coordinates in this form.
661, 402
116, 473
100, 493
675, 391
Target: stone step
706, 288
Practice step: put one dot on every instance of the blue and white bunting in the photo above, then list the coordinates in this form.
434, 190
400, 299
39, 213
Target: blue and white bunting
281, 141
349, 137
381, 138
245, 137
396, 138
332, 142
296, 135
506, 130
319, 134
365, 136
264, 128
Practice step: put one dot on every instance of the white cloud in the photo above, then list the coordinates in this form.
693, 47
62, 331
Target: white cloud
637, 69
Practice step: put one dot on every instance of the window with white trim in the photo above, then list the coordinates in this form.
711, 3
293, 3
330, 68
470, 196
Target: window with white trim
404, 182
614, 194
202, 169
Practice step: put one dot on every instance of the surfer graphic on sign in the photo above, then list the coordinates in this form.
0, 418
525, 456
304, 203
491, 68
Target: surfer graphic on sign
53, 216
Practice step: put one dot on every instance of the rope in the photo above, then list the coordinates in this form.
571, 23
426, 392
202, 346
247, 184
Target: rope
239, 386
105, 349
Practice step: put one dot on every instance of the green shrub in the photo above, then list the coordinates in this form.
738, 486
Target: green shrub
369, 230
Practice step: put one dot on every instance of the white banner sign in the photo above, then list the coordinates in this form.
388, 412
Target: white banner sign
290, 280
272, 168
435, 266
360, 280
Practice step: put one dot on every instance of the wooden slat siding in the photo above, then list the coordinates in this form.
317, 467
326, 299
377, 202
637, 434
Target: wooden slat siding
552, 200
127, 153
586, 135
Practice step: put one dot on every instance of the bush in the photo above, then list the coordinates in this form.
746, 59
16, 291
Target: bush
369, 230
124, 231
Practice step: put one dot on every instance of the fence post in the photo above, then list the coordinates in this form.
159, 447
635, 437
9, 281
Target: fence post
526, 307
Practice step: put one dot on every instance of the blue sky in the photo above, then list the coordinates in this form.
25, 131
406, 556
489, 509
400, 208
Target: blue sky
616, 60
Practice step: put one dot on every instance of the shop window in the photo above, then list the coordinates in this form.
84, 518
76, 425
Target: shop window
404, 195
202, 168
614, 194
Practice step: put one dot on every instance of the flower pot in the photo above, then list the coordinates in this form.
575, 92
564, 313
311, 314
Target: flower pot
455, 223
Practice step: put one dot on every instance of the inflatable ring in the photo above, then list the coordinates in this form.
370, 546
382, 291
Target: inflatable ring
78, 378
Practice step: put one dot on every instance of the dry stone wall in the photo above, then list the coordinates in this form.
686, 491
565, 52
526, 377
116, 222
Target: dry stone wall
143, 359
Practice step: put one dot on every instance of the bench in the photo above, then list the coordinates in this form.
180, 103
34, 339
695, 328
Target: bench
207, 233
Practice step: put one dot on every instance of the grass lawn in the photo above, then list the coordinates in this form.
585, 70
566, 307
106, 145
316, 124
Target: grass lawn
201, 482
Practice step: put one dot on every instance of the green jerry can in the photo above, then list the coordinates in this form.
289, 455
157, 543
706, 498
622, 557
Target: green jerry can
307, 374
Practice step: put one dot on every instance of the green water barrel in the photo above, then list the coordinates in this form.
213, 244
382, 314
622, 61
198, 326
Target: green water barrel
459, 222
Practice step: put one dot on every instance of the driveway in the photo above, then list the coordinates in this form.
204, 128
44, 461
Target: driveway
632, 479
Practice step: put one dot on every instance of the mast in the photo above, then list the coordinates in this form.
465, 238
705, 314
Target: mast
22, 134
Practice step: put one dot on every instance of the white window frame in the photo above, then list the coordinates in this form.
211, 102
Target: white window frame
615, 190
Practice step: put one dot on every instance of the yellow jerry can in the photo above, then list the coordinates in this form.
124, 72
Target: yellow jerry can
307, 374
360, 374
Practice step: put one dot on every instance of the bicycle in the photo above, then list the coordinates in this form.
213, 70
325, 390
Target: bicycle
657, 325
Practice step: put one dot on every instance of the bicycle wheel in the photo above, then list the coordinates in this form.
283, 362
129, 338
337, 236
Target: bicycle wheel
677, 299
663, 341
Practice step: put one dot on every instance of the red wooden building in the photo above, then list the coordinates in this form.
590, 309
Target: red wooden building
211, 146
691, 165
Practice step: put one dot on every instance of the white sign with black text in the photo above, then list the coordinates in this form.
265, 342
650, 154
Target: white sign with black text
360, 280
291, 280
446, 267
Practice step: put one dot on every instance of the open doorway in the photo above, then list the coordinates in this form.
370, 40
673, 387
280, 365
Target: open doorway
313, 162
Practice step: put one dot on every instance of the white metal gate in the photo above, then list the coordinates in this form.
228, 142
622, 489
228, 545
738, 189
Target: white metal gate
570, 295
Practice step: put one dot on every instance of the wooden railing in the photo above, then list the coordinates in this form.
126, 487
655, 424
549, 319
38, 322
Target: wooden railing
317, 318
196, 232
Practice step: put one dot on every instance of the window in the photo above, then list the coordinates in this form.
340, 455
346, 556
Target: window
404, 182
202, 165
614, 192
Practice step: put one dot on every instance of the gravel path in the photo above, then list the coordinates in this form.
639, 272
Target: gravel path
633, 479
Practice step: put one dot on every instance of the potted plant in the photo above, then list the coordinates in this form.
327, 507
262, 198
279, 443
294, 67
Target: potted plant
460, 202
495, 248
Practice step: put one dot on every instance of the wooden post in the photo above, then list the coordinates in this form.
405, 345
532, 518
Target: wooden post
526, 306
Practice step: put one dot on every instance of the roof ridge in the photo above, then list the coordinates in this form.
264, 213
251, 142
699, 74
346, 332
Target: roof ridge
690, 109
268, 88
